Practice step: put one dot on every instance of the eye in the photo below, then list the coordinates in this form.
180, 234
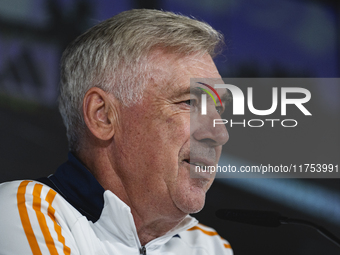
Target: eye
219, 109
191, 102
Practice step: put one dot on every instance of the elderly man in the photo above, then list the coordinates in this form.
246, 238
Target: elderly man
126, 188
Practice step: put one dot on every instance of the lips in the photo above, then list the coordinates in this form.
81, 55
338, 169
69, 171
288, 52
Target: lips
198, 164
201, 162
204, 165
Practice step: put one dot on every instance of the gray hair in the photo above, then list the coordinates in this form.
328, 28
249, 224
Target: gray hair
113, 56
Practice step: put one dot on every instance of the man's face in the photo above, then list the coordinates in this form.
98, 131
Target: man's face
152, 155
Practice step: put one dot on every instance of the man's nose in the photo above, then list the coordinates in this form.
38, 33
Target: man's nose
209, 132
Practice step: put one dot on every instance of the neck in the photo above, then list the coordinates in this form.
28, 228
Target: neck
149, 230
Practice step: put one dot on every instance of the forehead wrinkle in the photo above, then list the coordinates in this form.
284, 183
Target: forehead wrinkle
169, 75
209, 69
196, 71
200, 61
172, 72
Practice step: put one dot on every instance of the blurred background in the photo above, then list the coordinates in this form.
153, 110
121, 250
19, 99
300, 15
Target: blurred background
264, 38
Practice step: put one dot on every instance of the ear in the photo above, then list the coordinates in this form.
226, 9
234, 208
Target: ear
99, 113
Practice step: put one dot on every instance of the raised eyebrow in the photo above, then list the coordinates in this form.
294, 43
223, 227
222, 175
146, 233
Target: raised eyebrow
196, 91
176, 93
188, 91
225, 98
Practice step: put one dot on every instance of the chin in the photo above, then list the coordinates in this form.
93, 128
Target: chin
188, 194
191, 201
191, 207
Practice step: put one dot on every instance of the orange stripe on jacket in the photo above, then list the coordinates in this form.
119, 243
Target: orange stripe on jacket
42, 221
25, 221
209, 233
51, 211
228, 246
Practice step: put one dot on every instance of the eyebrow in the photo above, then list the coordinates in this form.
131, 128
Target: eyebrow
181, 91
225, 98
196, 91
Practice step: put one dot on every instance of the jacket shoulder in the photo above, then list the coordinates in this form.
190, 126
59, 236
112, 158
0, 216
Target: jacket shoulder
29, 222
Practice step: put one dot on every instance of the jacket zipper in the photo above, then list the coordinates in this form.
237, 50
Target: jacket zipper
142, 250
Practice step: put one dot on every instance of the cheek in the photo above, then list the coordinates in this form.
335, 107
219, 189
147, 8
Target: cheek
155, 138
178, 127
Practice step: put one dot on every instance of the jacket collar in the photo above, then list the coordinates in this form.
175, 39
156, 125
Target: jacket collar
79, 187
117, 219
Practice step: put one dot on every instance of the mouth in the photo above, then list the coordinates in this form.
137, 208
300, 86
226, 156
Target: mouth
199, 164
200, 168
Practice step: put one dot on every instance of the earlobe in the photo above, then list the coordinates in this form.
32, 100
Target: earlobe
98, 114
